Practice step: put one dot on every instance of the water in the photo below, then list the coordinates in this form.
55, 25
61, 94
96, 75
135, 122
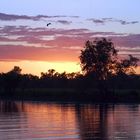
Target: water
56, 121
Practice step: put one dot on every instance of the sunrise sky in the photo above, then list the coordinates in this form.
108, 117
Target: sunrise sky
26, 41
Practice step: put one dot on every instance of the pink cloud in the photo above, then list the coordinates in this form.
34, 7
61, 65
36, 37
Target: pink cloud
12, 17
62, 42
8, 52
132, 40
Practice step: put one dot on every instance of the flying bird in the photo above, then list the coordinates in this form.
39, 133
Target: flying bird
48, 24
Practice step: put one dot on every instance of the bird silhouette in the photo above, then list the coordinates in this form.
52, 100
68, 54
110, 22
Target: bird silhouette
48, 24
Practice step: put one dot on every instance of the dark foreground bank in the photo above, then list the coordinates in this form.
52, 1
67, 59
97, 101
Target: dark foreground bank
90, 95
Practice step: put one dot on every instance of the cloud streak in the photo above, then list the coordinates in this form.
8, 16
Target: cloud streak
106, 20
65, 22
13, 17
57, 44
10, 17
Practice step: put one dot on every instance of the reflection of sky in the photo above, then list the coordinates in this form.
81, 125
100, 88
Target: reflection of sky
34, 120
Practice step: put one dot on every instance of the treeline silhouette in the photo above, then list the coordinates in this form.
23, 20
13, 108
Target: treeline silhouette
104, 77
71, 85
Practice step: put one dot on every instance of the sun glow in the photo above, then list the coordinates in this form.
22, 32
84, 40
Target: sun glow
36, 67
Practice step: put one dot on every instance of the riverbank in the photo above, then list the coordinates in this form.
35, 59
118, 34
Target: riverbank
89, 95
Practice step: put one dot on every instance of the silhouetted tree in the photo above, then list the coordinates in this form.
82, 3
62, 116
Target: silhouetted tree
102, 72
126, 66
16, 70
99, 60
98, 57
12, 79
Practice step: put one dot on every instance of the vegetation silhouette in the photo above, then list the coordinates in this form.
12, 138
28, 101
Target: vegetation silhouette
99, 59
104, 77
10, 80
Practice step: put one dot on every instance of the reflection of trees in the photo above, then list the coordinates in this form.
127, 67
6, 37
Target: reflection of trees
12, 120
107, 122
100, 121
11, 113
92, 121
10, 106
125, 119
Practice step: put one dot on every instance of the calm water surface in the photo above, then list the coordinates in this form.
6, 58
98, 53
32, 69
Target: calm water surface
56, 121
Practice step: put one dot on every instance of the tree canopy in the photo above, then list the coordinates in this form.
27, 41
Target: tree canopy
100, 57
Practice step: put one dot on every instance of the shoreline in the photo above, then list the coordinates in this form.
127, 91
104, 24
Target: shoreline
74, 95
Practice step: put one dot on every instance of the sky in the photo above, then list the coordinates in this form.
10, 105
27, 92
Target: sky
26, 41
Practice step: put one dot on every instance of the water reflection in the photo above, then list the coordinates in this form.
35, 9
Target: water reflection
52, 121
93, 121
11, 120
56, 121
9, 106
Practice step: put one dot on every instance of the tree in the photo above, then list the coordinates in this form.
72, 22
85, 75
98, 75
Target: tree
16, 70
126, 66
98, 57
99, 60
49, 74
12, 79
